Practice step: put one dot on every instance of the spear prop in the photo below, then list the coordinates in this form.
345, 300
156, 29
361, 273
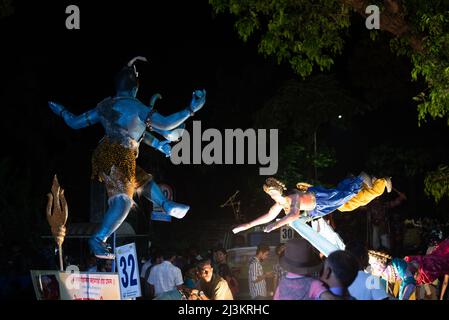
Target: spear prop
57, 213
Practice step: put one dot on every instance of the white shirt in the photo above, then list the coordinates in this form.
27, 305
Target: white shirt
368, 287
145, 267
165, 277
256, 289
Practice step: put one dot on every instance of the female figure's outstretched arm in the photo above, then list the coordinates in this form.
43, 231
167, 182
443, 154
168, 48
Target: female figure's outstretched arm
294, 214
269, 216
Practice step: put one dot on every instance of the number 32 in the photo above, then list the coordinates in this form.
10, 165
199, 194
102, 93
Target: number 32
124, 265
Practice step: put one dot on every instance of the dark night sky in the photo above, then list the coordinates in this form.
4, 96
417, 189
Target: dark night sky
188, 48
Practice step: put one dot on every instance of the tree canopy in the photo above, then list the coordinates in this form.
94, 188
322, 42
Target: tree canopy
6, 8
309, 35
301, 108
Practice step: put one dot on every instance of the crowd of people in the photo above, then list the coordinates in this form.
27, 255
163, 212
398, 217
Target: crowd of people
300, 273
167, 275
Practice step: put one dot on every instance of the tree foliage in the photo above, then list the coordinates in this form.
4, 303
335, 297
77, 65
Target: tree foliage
309, 34
6, 8
396, 160
437, 183
301, 108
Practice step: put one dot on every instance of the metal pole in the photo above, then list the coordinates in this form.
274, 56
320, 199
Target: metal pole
314, 162
113, 251
61, 263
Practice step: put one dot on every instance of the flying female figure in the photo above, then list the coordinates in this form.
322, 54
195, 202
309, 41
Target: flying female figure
314, 202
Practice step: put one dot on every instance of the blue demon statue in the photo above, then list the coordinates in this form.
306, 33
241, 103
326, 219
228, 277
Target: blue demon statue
127, 122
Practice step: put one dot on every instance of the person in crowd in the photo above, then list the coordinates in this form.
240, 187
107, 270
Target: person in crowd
193, 255
220, 257
165, 276
102, 265
256, 276
225, 270
91, 264
301, 264
397, 231
339, 272
107, 266
278, 271
365, 286
210, 286
156, 258
396, 272
191, 276
147, 262
377, 213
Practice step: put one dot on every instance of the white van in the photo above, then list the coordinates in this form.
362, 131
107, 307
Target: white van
242, 247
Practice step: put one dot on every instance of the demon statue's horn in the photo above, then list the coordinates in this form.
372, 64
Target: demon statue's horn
133, 60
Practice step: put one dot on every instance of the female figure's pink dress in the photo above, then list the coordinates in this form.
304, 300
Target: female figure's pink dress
433, 265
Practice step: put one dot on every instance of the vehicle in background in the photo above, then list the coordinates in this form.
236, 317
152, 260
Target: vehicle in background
242, 247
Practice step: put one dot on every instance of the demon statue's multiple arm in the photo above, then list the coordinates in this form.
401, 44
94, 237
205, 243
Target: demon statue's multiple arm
75, 122
170, 127
128, 122
173, 121
161, 145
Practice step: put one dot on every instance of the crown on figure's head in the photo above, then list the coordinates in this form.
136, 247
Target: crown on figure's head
379, 256
274, 184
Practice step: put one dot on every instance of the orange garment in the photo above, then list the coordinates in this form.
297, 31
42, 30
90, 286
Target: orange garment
365, 196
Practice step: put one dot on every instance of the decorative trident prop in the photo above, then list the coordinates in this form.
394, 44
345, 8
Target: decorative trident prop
57, 213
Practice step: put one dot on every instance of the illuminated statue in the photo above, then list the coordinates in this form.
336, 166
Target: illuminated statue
125, 120
392, 271
412, 271
316, 202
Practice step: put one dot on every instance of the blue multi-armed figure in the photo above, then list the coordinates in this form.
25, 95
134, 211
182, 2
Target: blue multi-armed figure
125, 120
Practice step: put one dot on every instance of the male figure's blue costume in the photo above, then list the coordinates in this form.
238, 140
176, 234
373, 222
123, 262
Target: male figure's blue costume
126, 120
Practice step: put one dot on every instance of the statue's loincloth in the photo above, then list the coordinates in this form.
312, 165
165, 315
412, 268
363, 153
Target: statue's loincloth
115, 165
